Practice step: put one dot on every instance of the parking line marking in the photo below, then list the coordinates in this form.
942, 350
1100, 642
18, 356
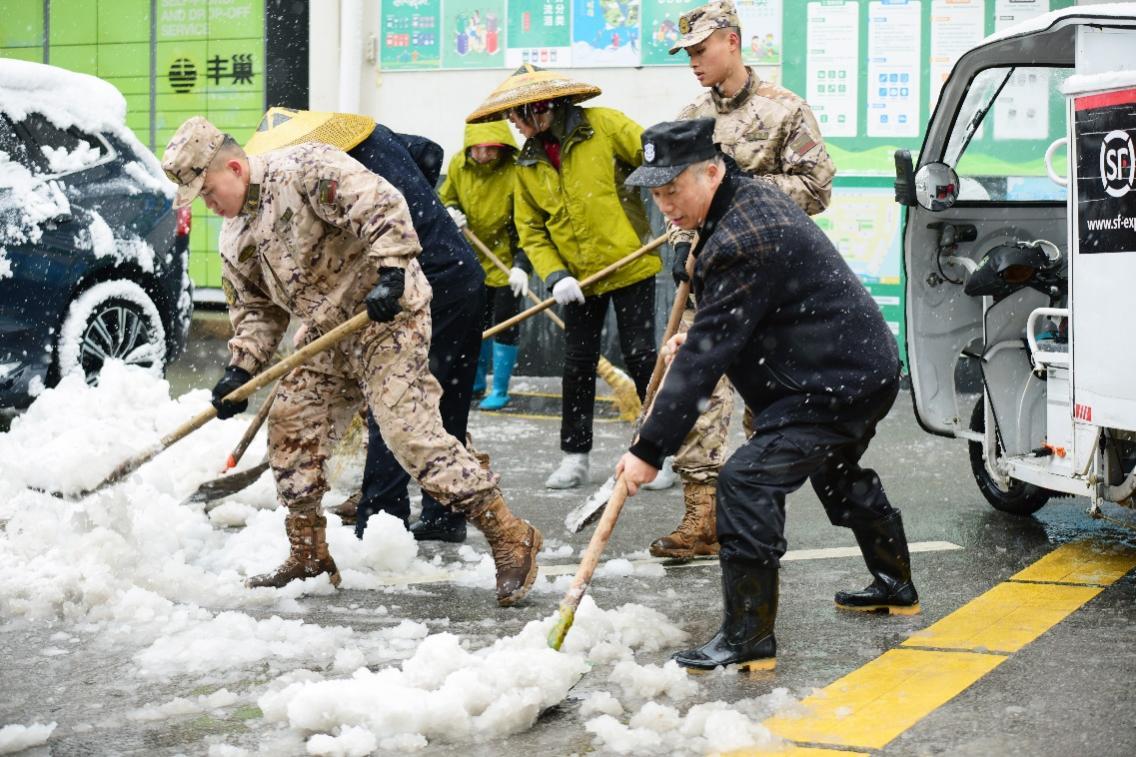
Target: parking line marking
872, 705
567, 569
1006, 618
1088, 562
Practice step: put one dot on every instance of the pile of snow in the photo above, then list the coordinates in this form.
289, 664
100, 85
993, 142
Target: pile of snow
16, 738
59, 160
133, 569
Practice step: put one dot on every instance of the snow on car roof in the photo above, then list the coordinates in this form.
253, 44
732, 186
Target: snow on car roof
66, 99
63, 97
1047, 20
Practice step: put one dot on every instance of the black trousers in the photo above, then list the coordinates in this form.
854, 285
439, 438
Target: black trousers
501, 305
753, 483
455, 340
635, 317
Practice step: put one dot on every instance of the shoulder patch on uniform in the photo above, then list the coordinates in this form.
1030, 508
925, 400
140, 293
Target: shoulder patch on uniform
286, 216
327, 190
802, 144
230, 291
246, 253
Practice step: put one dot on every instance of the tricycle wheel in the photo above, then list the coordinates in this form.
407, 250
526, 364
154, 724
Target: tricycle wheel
1019, 498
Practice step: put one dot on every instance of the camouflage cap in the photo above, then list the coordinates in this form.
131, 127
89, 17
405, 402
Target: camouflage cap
698, 24
189, 153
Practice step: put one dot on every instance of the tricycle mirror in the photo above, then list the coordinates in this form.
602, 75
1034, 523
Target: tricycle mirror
936, 186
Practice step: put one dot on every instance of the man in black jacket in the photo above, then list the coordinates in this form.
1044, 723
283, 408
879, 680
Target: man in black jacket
458, 283
783, 316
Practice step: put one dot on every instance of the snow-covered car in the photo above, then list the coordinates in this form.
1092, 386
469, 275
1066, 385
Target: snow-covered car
93, 256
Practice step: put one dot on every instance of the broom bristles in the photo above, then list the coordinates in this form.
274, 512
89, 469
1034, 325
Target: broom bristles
626, 398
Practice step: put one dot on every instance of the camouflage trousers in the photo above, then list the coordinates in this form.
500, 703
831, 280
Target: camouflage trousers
703, 451
386, 365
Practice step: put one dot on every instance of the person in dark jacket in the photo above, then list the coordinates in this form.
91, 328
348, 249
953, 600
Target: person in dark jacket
783, 316
412, 164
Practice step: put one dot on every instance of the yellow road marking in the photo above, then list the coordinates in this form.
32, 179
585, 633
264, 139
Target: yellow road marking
792, 750
542, 417
871, 706
1087, 562
1004, 619
552, 395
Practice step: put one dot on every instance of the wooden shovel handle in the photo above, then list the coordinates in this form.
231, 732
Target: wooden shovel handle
546, 304
250, 432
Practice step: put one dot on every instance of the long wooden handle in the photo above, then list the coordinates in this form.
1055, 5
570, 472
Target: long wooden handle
484, 250
545, 304
673, 321
588, 563
298, 357
250, 432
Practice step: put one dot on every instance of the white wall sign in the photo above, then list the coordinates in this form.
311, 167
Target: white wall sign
833, 65
956, 26
894, 68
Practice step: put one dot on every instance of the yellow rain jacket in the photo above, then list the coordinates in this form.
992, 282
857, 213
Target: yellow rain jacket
485, 194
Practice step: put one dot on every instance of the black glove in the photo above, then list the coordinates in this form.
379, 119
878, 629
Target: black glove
382, 302
234, 378
678, 268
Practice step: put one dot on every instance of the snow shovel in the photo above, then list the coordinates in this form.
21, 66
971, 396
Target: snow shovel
231, 483
586, 514
598, 275
626, 398
598, 543
257, 382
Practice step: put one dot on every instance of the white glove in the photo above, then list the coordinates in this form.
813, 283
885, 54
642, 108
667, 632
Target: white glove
457, 215
519, 282
568, 290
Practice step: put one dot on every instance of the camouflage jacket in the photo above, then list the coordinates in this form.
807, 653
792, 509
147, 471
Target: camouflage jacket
771, 133
309, 242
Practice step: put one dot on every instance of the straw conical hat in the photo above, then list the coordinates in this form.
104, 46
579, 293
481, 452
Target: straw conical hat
284, 127
530, 84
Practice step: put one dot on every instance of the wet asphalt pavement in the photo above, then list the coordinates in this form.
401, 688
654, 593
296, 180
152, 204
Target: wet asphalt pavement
1072, 691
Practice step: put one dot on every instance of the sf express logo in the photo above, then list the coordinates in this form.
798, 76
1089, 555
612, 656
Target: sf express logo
1118, 163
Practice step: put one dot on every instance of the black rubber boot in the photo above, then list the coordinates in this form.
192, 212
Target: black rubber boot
450, 528
884, 547
749, 593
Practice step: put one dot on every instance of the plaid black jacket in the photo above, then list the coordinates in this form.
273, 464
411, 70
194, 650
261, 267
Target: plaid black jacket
780, 313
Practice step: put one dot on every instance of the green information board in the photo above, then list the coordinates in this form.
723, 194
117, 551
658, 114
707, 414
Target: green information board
412, 34
660, 31
171, 59
476, 37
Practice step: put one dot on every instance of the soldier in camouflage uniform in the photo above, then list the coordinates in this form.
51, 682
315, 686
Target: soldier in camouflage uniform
309, 232
768, 132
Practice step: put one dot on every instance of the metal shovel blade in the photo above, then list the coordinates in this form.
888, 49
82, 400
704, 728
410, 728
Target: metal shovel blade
230, 483
589, 512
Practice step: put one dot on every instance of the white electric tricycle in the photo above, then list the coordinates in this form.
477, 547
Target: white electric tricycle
1031, 278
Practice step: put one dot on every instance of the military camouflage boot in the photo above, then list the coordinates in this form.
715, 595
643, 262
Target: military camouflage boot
514, 543
698, 532
309, 558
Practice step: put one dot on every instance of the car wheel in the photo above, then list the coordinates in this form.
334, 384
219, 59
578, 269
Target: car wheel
113, 320
1019, 498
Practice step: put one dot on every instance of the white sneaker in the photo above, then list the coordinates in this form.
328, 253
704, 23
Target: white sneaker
665, 479
572, 472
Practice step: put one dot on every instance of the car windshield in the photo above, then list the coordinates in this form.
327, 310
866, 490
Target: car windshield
1010, 116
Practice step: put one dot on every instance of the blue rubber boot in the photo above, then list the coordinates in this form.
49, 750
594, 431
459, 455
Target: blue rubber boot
482, 368
504, 361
